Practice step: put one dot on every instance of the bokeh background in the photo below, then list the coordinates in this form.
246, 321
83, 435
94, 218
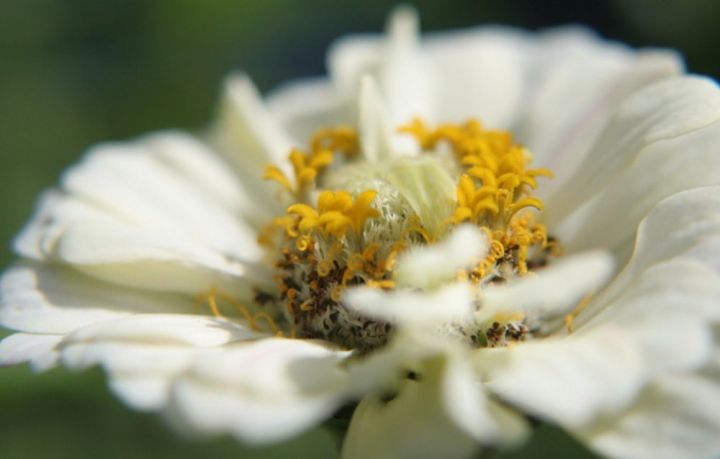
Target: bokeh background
76, 72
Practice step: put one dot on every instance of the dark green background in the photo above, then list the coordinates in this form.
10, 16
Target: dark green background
73, 73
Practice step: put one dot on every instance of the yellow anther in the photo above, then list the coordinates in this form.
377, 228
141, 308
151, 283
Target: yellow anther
321, 159
323, 268
334, 223
307, 305
303, 243
369, 252
336, 293
385, 284
291, 294
526, 202
462, 214
486, 176
343, 139
361, 210
307, 166
355, 262
274, 173
329, 201
541, 172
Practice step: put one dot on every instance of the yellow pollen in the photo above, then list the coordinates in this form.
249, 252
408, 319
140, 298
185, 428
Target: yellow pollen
336, 213
327, 240
307, 166
494, 189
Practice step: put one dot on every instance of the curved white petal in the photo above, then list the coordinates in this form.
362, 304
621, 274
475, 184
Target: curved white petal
686, 162
245, 127
42, 298
686, 224
142, 392
37, 349
406, 307
551, 291
680, 285
373, 126
442, 413
136, 184
574, 69
405, 77
430, 266
395, 61
156, 213
304, 107
477, 74
143, 354
677, 417
190, 330
569, 380
661, 111
260, 392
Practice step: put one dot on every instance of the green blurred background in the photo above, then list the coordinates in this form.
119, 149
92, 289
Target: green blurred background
73, 73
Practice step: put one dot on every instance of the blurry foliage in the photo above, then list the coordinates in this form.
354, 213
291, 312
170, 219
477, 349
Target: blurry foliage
77, 72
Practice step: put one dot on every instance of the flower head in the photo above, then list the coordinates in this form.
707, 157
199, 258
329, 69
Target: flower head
455, 233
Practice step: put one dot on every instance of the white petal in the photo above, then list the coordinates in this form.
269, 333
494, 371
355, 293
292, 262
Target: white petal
568, 380
303, 107
207, 171
661, 111
686, 162
678, 226
551, 291
140, 259
672, 343
141, 214
131, 357
453, 302
24, 347
404, 76
50, 299
138, 373
141, 392
193, 330
588, 77
678, 417
373, 126
679, 285
429, 266
249, 138
667, 309
261, 392
350, 58
134, 183
395, 62
143, 354
476, 74
246, 132
469, 407
442, 414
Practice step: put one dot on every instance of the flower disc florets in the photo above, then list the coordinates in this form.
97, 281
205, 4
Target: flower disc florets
348, 220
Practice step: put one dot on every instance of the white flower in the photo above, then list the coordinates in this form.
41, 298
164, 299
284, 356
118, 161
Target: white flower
404, 269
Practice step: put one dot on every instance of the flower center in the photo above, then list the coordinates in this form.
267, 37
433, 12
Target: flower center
348, 220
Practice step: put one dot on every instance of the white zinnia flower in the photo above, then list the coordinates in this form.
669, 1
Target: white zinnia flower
403, 268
